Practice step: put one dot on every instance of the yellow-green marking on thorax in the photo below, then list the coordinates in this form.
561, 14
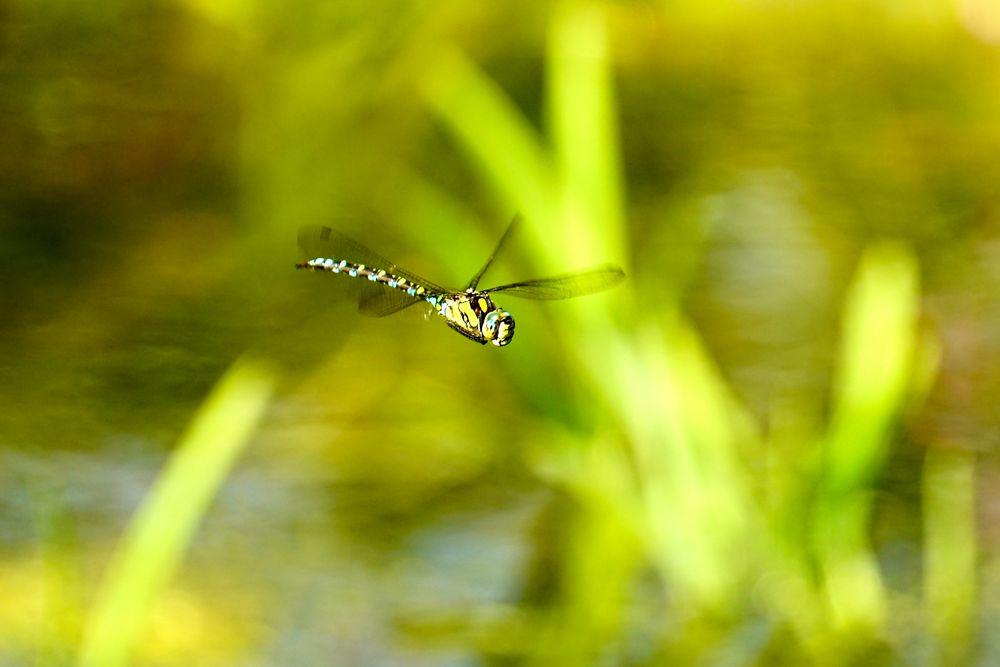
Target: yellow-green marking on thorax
475, 316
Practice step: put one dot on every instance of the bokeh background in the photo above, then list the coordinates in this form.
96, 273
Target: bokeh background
775, 444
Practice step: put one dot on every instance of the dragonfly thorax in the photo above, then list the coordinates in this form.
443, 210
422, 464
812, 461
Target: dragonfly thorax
474, 315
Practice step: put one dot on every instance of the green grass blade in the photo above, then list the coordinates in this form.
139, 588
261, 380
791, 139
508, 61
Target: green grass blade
153, 545
59, 631
497, 137
874, 374
949, 492
584, 127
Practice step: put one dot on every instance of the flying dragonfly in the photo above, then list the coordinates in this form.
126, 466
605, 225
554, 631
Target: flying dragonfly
471, 312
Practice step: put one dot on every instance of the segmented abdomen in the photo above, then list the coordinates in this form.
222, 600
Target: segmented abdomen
373, 274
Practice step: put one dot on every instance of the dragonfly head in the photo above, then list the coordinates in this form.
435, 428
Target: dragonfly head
498, 327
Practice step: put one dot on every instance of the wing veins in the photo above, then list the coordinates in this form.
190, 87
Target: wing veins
474, 283
564, 286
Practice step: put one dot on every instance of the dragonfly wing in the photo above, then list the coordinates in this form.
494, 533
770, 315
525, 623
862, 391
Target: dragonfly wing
564, 287
384, 301
496, 251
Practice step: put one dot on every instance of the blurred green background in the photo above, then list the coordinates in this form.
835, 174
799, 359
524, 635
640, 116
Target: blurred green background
775, 444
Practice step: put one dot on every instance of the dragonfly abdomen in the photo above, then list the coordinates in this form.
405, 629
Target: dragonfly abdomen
375, 275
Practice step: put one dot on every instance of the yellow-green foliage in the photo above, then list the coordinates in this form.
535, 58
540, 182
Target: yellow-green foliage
767, 446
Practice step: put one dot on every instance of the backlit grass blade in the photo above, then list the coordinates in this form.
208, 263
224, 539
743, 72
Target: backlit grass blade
874, 373
495, 134
163, 526
584, 126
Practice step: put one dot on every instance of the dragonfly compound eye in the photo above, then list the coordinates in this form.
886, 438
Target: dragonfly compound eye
498, 327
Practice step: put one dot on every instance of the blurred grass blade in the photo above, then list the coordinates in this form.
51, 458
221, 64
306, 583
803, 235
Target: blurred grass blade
873, 375
495, 134
949, 492
162, 528
685, 432
61, 580
876, 360
584, 126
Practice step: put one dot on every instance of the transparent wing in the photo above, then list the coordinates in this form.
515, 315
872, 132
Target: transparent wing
564, 287
496, 251
375, 301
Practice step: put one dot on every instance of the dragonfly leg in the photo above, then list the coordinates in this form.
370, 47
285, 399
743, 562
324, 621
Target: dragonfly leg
468, 334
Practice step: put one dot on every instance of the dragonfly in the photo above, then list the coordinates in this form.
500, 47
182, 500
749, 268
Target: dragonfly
472, 312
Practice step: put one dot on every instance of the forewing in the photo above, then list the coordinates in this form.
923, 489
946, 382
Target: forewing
564, 287
496, 251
